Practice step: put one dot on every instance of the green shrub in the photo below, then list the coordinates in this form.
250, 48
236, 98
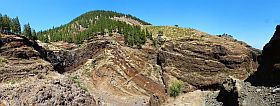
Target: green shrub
3, 61
175, 88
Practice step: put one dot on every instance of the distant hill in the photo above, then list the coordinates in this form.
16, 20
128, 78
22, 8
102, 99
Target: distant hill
98, 23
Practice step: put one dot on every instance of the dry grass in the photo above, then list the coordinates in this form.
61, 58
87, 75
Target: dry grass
3, 61
175, 33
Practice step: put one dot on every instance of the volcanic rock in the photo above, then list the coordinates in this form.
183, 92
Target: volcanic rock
269, 70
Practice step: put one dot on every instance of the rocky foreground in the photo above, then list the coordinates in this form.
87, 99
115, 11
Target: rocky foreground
214, 70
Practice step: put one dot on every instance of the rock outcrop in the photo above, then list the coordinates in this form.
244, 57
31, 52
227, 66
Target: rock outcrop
124, 76
27, 76
13, 69
269, 70
262, 87
68, 60
205, 62
19, 60
16, 46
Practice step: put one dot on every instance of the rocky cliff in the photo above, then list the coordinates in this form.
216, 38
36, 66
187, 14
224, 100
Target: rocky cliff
269, 71
29, 78
204, 62
262, 87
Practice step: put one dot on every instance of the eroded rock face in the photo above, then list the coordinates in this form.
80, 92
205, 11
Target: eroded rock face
13, 69
269, 70
68, 60
128, 76
14, 46
119, 71
18, 46
19, 60
26, 79
206, 62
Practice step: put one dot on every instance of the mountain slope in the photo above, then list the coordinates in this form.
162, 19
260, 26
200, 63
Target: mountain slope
98, 23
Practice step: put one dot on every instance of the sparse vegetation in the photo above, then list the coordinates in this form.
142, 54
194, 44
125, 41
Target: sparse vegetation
76, 80
225, 35
14, 80
2, 61
87, 72
171, 31
175, 88
228, 36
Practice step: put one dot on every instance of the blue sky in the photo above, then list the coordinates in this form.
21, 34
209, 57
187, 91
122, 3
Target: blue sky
252, 21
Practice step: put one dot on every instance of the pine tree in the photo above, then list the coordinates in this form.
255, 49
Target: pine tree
43, 38
13, 25
34, 35
6, 24
27, 31
16, 28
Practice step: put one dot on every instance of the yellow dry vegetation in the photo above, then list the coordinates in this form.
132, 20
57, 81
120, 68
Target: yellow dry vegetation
174, 33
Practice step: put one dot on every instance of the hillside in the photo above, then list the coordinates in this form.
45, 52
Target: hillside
96, 23
93, 61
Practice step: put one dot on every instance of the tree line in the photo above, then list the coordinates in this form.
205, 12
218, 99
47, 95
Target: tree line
96, 23
10, 25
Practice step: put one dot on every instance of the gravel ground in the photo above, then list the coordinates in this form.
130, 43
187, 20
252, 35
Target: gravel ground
249, 95
46, 93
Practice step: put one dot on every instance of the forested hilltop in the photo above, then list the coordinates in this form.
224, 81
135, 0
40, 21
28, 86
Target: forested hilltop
97, 23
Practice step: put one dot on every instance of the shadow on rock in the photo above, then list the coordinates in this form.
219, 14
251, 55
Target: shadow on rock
228, 94
268, 73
